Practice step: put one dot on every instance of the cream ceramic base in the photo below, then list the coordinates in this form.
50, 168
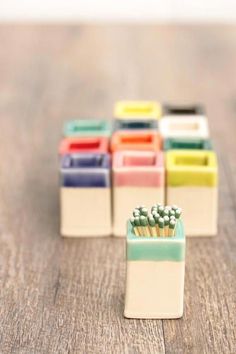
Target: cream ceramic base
77, 204
154, 289
125, 199
200, 207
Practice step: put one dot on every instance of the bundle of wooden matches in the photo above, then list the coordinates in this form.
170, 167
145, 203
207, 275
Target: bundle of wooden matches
160, 222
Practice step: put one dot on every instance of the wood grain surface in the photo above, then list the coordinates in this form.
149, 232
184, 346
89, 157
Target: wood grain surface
66, 295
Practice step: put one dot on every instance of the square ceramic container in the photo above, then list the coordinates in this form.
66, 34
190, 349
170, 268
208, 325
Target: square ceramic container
85, 195
192, 182
137, 175
155, 268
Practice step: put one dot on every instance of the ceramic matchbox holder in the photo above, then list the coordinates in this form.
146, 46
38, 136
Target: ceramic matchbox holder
85, 195
194, 127
137, 175
192, 182
155, 268
137, 110
86, 127
136, 140
84, 144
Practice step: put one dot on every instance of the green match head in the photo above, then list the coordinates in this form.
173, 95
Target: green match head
178, 213
137, 221
154, 212
161, 210
144, 211
161, 222
151, 221
143, 220
174, 207
172, 224
140, 207
136, 212
132, 221
166, 220
166, 212
172, 217
156, 217
172, 213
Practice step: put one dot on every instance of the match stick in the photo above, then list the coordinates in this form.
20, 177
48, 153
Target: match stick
172, 227
144, 224
152, 225
138, 225
132, 220
161, 227
156, 217
166, 224
161, 210
178, 213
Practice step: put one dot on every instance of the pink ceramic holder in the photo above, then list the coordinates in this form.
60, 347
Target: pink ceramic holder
137, 175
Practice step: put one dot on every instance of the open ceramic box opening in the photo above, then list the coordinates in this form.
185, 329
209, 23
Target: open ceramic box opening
88, 160
87, 125
191, 161
137, 109
145, 109
173, 126
183, 110
199, 145
90, 144
136, 125
139, 160
136, 139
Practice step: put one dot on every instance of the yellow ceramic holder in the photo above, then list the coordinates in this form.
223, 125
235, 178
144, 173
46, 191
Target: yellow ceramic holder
192, 182
191, 168
137, 109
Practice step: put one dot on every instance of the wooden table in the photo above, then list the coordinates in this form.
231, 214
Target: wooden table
67, 295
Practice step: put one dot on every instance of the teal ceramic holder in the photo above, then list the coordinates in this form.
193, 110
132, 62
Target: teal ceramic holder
86, 127
190, 144
155, 268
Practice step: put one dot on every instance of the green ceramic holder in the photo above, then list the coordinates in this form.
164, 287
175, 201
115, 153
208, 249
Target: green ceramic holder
190, 144
86, 127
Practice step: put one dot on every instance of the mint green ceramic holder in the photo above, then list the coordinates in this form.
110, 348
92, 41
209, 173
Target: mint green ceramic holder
156, 248
86, 127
